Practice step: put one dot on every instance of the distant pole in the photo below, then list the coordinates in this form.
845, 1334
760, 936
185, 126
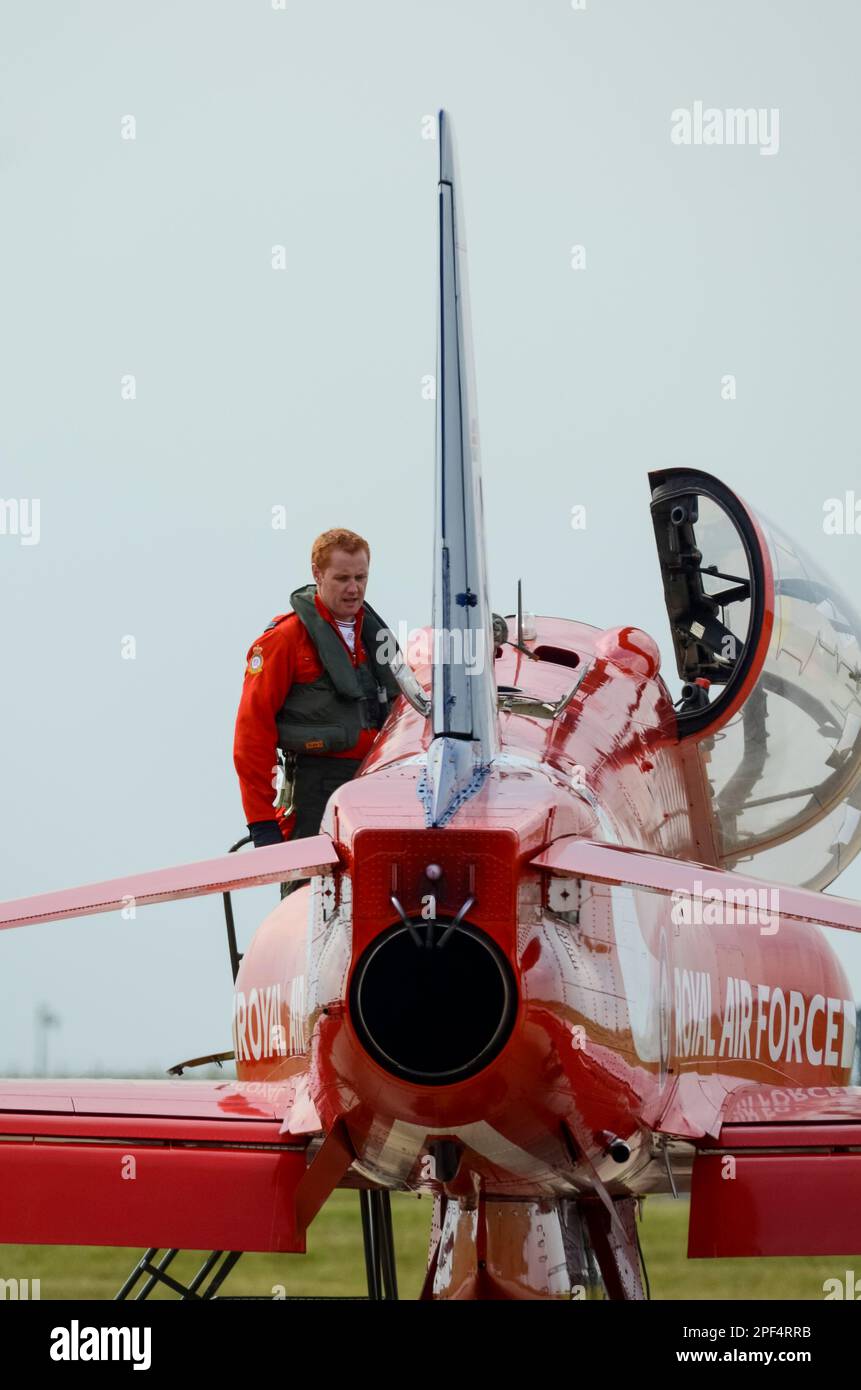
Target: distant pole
45, 1020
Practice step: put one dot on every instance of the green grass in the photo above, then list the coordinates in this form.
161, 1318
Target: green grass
334, 1263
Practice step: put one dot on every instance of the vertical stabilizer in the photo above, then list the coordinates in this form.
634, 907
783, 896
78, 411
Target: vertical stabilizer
464, 708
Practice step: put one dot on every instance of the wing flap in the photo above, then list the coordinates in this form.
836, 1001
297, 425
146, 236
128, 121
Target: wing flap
142, 1164
783, 1177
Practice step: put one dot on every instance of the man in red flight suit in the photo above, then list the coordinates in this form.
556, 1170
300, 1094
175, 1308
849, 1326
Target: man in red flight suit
315, 687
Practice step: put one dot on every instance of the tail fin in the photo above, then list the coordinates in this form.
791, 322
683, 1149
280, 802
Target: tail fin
465, 728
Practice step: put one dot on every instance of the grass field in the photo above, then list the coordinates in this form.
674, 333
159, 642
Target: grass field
334, 1262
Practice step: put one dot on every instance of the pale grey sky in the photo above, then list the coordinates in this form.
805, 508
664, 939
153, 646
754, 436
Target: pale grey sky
301, 127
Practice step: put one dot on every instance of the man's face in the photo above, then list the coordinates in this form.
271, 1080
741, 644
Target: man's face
341, 585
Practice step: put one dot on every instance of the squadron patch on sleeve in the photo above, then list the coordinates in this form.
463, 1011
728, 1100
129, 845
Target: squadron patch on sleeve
255, 664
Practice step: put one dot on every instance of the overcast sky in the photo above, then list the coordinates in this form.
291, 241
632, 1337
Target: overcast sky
299, 384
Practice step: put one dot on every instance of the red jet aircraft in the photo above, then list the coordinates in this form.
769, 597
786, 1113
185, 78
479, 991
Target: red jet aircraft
561, 945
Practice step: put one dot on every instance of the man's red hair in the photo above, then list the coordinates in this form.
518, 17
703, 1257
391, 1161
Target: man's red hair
338, 539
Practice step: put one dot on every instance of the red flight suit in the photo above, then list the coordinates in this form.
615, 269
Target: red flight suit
284, 653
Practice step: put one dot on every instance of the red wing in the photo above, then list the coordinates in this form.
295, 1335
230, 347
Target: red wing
187, 1165
783, 1176
194, 1165
611, 864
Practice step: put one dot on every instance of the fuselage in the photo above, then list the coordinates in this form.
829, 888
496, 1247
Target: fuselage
560, 1025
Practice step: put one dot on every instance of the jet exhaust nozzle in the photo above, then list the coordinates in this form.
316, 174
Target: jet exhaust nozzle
433, 1005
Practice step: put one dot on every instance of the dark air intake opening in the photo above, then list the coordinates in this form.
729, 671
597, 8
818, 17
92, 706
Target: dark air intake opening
434, 1014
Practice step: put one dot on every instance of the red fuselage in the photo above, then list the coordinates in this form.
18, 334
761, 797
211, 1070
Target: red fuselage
565, 1022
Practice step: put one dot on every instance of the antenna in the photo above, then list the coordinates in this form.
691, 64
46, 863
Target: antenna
519, 613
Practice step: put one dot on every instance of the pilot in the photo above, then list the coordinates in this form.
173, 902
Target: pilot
318, 687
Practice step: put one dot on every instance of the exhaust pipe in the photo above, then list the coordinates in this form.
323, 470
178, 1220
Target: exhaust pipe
433, 1002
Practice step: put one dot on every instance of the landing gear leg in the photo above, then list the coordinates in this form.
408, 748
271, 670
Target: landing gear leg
617, 1248
378, 1239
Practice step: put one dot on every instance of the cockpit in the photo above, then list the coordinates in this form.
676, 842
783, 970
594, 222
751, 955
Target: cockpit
769, 653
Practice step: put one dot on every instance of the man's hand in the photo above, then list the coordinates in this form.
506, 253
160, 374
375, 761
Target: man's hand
265, 832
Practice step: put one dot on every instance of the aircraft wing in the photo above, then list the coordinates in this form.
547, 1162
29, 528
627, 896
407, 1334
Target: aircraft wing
783, 1176
176, 1164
